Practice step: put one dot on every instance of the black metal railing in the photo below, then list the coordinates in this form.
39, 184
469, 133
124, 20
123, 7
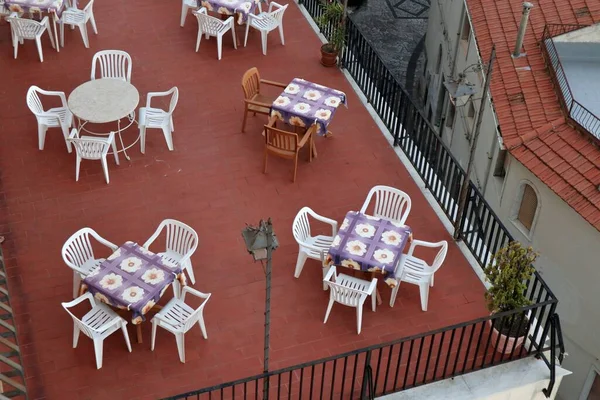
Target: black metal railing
12, 377
436, 355
576, 111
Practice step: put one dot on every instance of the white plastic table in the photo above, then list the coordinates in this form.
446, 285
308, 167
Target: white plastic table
105, 100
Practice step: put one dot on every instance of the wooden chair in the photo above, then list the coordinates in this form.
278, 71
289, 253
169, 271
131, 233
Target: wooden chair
255, 101
287, 144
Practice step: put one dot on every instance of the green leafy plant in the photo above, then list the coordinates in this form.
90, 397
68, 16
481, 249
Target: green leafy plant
508, 273
333, 26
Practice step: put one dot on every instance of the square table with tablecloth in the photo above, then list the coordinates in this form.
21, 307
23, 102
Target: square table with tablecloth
132, 278
370, 244
53, 7
230, 7
304, 103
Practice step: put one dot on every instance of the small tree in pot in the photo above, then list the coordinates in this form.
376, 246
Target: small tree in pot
333, 23
508, 273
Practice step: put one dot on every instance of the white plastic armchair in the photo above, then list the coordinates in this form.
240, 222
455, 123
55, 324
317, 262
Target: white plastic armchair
351, 292
75, 17
185, 6
178, 317
417, 271
211, 26
152, 117
57, 117
78, 254
313, 247
267, 22
390, 203
99, 323
23, 28
113, 64
181, 243
93, 148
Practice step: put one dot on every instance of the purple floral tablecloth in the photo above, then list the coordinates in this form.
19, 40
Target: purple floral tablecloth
304, 103
367, 243
132, 278
35, 6
230, 7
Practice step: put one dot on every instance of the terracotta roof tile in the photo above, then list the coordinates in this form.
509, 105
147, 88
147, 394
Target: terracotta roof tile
533, 128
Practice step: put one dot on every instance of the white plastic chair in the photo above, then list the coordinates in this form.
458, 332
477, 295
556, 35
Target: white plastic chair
75, 17
267, 22
99, 323
78, 254
416, 271
211, 26
150, 117
23, 28
93, 148
390, 203
177, 317
313, 247
57, 117
351, 292
185, 6
181, 243
113, 64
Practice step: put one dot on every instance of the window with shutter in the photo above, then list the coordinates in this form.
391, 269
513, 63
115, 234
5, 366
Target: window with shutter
528, 207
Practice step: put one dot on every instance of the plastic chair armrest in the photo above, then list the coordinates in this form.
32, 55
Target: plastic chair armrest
155, 94
332, 271
326, 220
372, 287
83, 297
272, 83
151, 239
228, 21
196, 293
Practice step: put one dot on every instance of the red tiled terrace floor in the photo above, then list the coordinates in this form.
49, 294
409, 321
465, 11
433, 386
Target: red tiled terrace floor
212, 181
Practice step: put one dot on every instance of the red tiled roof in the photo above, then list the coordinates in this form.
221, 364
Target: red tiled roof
535, 130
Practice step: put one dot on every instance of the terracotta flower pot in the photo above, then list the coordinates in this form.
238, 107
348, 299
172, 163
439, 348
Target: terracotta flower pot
503, 341
328, 55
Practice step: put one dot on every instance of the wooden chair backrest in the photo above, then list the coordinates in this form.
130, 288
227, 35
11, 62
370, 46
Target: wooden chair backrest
251, 83
281, 142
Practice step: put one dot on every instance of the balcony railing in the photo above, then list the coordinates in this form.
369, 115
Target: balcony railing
436, 355
577, 112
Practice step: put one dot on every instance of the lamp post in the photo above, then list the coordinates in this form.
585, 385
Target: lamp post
260, 242
462, 90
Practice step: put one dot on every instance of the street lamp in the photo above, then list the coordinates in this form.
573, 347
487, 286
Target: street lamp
260, 242
460, 90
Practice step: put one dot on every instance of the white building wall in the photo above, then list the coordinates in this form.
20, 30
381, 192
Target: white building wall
569, 246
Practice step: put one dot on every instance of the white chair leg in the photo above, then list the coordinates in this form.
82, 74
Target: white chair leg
359, 317
329, 306
172, 125
93, 22
202, 327
199, 39
38, 43
424, 289
431, 282
41, 136
263, 36
77, 166
325, 285
105, 168
219, 45
113, 145
184, 10
168, 137
247, 29
15, 44
176, 288
84, 35
190, 271
142, 139
180, 338
374, 300
394, 294
153, 340
281, 33
76, 284
65, 131
259, 7
62, 34
126, 335
302, 256
233, 35
98, 344
75, 335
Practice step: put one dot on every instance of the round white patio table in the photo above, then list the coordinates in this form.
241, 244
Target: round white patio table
105, 100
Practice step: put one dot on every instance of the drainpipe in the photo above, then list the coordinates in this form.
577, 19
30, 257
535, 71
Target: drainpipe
522, 27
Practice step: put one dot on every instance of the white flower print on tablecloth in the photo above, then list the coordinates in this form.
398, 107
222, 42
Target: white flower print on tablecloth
356, 247
312, 95
323, 114
111, 281
207, 5
296, 121
383, 256
365, 230
282, 101
351, 264
153, 276
391, 238
345, 224
374, 269
137, 320
332, 101
391, 282
133, 294
336, 241
277, 114
101, 298
148, 306
246, 6
230, 2
131, 264
15, 8
301, 108
397, 224
114, 255
145, 251
224, 11
292, 88
372, 218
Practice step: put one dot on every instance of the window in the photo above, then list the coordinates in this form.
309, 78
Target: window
466, 30
528, 207
470, 116
591, 387
438, 68
450, 116
500, 166
594, 393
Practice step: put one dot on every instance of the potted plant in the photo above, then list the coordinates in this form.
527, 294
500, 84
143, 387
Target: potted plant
332, 21
508, 273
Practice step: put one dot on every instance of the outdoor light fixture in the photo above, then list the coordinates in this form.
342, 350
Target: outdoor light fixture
259, 239
460, 90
